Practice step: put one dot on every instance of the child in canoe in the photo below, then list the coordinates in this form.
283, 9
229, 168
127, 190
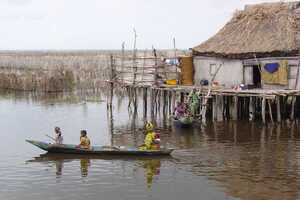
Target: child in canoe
84, 140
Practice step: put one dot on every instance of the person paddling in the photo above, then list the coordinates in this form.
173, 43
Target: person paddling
58, 136
84, 140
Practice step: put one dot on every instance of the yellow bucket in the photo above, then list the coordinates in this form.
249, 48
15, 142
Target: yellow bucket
171, 82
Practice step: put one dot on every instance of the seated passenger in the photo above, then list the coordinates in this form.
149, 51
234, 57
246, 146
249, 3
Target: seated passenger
179, 110
156, 142
149, 138
84, 140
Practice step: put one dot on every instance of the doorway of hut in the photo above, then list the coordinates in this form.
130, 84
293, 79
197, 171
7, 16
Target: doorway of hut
256, 76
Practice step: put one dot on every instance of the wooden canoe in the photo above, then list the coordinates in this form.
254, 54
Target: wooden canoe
97, 150
184, 122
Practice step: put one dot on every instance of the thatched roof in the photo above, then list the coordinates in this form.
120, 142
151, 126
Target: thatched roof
267, 29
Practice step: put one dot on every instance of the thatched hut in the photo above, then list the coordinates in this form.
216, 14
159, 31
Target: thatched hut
259, 46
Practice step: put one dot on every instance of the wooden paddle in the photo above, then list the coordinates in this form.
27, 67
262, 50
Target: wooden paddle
112, 147
51, 137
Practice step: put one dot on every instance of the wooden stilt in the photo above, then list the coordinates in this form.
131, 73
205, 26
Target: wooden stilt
235, 108
181, 97
278, 109
145, 103
214, 110
152, 103
270, 111
220, 108
170, 102
292, 117
251, 110
173, 101
109, 102
165, 106
263, 109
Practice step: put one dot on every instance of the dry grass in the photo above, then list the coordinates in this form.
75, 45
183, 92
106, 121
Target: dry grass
60, 70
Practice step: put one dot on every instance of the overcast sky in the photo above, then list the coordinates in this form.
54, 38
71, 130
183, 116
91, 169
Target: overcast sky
99, 24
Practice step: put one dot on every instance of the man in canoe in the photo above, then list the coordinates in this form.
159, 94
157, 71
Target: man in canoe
84, 140
152, 140
58, 136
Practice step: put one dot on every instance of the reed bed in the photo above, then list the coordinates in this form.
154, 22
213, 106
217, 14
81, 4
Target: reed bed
53, 71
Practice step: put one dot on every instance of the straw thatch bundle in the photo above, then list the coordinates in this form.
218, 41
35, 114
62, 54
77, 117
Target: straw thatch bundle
267, 29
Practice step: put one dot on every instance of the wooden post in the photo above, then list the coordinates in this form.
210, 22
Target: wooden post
145, 102
220, 107
278, 109
182, 97
251, 110
155, 69
164, 103
173, 101
270, 111
122, 61
170, 102
263, 109
109, 101
235, 108
152, 103
292, 117
214, 110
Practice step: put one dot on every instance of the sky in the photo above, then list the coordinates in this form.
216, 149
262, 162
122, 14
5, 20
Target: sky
98, 24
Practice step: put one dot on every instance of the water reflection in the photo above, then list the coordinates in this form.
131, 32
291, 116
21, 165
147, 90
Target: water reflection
59, 166
85, 163
152, 169
60, 159
151, 166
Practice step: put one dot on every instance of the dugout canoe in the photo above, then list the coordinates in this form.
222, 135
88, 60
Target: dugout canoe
97, 150
184, 122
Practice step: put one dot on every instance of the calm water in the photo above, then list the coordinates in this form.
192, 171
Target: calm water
218, 161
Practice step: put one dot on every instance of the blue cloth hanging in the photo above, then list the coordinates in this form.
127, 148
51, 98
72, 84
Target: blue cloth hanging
272, 67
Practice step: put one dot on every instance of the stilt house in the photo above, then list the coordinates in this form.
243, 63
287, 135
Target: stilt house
258, 47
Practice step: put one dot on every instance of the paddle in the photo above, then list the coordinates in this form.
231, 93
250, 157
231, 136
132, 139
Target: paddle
51, 137
112, 147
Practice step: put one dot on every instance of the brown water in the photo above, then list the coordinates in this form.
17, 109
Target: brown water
230, 160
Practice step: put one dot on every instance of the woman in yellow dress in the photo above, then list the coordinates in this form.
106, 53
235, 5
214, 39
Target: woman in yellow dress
149, 139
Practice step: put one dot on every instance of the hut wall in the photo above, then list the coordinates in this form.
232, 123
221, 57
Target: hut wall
293, 65
231, 72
